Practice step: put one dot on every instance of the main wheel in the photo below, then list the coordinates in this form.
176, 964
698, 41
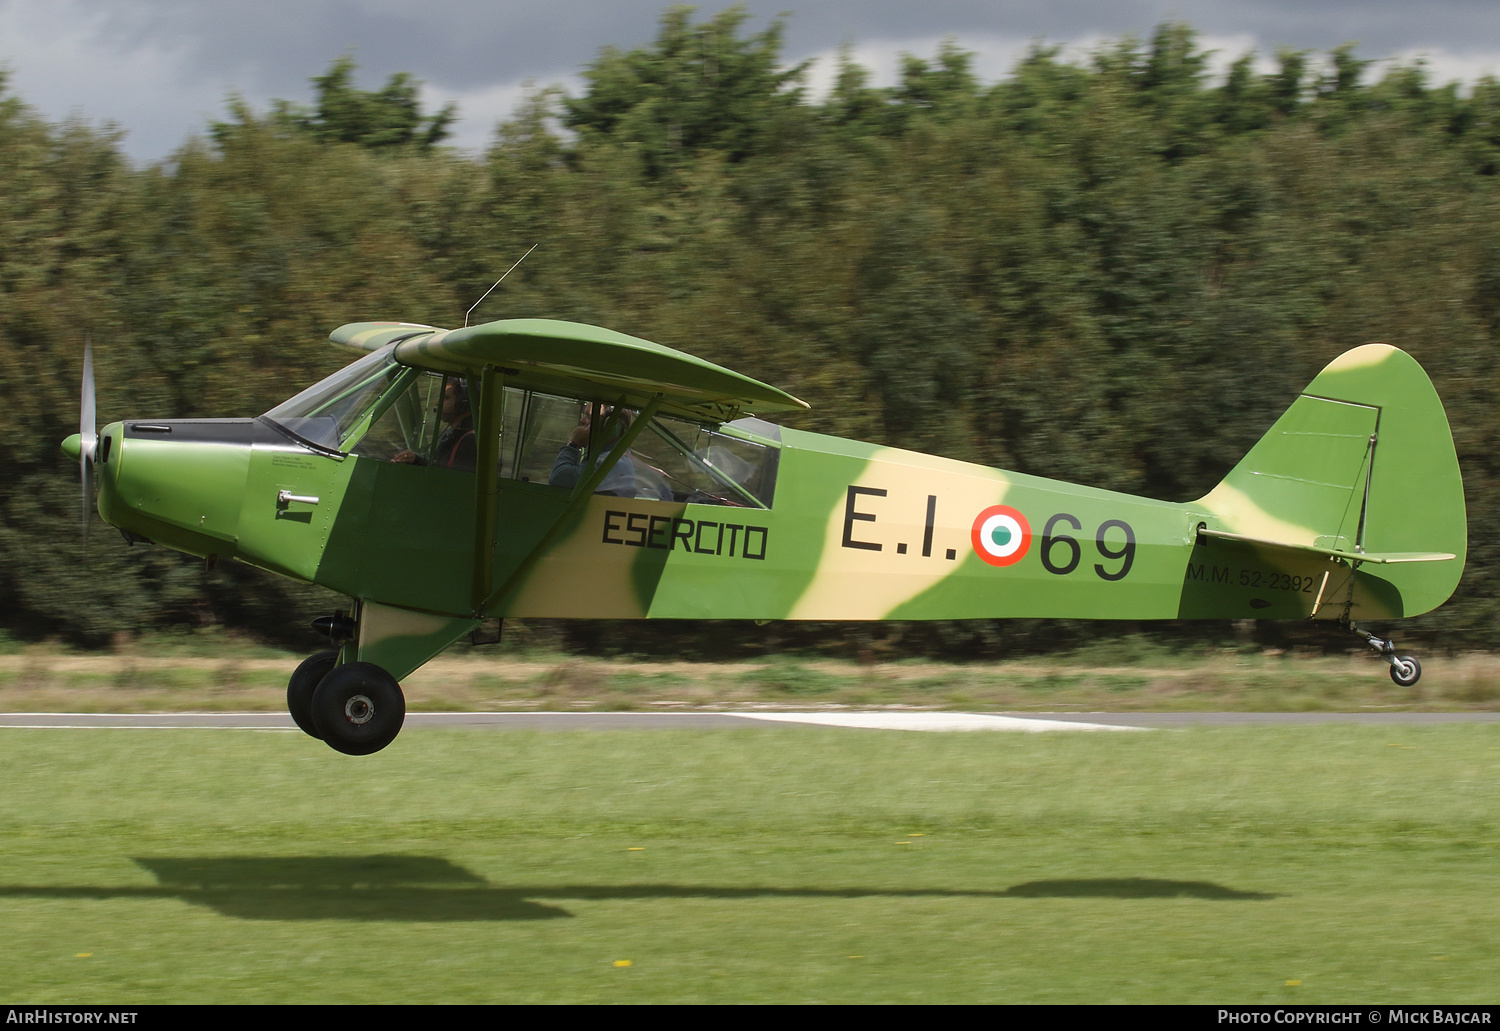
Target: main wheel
300, 688
358, 708
1406, 670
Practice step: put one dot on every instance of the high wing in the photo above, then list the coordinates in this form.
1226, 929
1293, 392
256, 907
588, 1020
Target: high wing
572, 359
372, 336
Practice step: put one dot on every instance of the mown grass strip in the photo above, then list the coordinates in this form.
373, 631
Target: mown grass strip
797, 864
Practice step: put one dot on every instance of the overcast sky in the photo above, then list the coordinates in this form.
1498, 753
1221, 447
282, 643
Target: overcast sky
160, 69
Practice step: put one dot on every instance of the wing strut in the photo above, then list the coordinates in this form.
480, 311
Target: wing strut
1364, 505
486, 483
581, 494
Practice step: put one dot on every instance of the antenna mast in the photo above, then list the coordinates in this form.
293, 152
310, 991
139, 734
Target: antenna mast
497, 283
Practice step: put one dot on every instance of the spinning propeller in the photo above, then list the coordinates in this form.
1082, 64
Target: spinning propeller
88, 439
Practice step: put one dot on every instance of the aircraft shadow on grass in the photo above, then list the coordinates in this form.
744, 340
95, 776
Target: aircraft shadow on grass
1131, 888
432, 889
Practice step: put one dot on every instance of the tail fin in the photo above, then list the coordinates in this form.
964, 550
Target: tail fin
1361, 468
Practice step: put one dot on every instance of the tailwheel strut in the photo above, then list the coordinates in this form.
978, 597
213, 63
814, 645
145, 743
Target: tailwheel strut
1405, 669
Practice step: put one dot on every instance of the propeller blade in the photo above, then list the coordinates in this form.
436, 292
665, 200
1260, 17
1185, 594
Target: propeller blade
88, 434
88, 429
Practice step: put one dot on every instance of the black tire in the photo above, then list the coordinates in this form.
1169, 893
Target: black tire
358, 708
1406, 671
300, 688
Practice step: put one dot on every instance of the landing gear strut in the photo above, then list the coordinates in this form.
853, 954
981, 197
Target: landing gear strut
1405, 669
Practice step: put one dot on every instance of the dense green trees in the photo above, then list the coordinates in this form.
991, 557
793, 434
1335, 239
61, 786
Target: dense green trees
385, 119
1117, 273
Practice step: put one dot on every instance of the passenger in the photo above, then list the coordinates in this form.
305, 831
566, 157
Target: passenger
626, 480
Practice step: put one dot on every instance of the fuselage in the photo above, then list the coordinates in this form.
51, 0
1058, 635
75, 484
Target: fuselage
854, 532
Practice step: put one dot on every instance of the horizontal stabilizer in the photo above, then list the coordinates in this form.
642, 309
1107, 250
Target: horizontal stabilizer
1381, 558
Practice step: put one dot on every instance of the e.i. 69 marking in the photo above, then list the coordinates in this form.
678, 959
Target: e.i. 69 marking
1002, 536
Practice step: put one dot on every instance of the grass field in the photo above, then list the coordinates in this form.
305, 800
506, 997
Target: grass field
789, 864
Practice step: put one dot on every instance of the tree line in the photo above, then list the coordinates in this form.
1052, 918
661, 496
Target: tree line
1117, 272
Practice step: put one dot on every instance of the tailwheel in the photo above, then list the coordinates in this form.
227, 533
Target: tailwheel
1406, 670
358, 708
304, 681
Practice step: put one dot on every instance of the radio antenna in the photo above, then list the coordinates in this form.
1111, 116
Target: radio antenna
497, 283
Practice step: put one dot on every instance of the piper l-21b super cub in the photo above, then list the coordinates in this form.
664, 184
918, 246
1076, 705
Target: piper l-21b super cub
538, 468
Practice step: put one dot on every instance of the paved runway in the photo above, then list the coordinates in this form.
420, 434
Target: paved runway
915, 721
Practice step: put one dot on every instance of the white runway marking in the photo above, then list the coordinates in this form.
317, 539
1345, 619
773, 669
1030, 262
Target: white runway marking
263, 721
935, 721
143, 726
280, 722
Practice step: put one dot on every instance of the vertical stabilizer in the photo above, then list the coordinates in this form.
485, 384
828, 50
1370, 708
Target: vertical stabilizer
1363, 461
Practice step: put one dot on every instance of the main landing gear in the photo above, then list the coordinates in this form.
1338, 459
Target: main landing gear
357, 708
1405, 669
301, 687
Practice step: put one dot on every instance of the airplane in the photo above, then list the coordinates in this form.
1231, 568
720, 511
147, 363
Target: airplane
541, 468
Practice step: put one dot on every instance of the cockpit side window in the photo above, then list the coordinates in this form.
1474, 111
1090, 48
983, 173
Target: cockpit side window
408, 428
559, 441
534, 428
705, 467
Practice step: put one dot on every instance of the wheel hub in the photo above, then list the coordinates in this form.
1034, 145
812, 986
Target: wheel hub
359, 710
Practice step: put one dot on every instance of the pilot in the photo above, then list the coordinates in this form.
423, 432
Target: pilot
456, 447
626, 479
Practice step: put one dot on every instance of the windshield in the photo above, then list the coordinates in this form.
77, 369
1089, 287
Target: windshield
330, 411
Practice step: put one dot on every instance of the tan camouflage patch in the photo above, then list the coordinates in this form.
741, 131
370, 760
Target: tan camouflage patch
579, 578
1239, 514
379, 623
1360, 357
854, 582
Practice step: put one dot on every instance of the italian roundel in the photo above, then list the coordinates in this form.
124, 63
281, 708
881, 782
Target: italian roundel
1001, 535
